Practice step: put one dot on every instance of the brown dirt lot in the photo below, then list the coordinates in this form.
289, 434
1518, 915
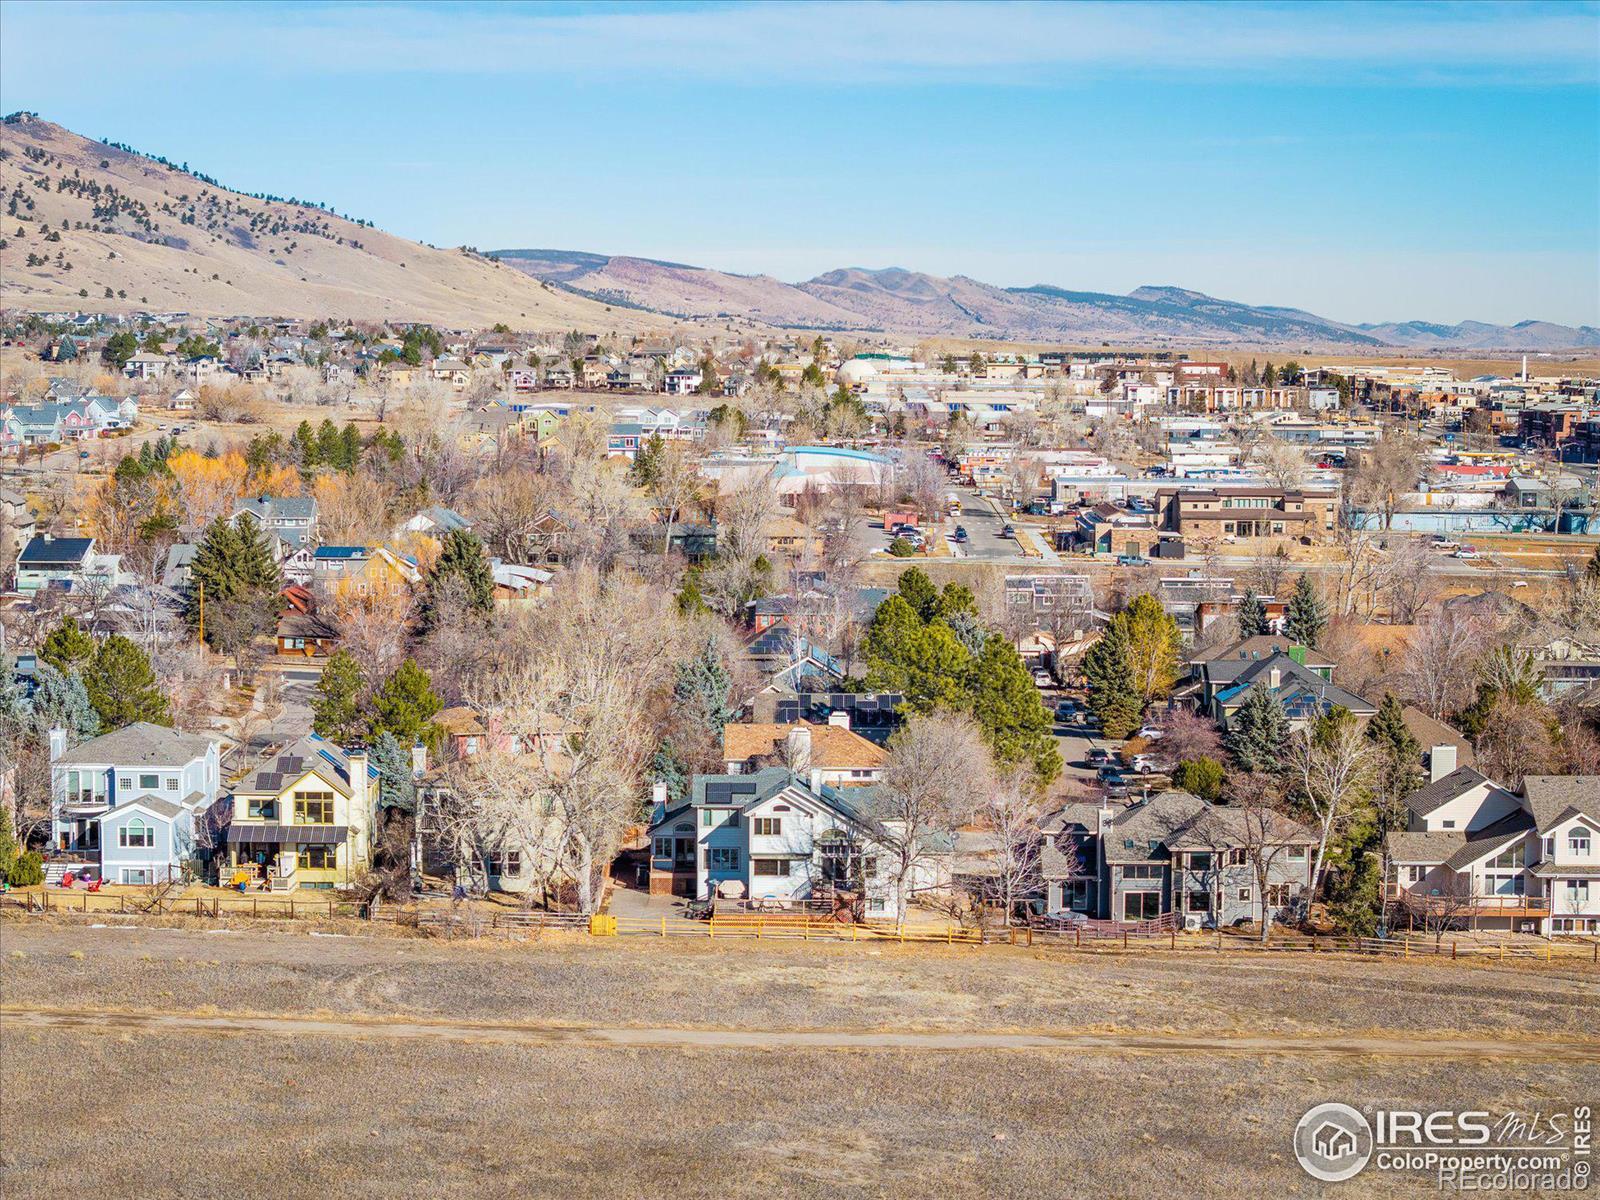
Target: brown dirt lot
306, 1113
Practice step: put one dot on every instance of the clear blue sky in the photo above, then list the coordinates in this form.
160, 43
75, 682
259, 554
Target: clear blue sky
1386, 162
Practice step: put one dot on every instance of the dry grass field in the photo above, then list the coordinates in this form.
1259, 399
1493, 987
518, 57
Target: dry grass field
139, 1111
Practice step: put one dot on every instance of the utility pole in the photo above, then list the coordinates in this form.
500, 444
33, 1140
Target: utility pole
202, 612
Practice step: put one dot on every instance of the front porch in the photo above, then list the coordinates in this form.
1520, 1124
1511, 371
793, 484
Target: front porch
282, 858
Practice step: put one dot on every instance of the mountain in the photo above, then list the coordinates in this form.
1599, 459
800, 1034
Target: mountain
898, 301
162, 238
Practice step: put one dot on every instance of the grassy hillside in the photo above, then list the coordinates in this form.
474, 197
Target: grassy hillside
93, 218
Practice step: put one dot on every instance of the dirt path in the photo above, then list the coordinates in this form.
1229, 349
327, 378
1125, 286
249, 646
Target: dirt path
1359, 1045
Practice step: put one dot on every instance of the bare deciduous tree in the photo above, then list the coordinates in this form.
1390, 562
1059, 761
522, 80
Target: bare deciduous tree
1332, 765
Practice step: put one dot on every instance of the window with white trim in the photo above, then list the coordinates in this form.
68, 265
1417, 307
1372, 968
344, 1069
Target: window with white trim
1578, 843
136, 834
767, 826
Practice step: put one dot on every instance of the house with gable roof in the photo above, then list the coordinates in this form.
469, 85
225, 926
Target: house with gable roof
133, 800
779, 836
301, 819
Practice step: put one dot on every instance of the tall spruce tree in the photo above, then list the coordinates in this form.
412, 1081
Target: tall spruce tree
1258, 735
463, 571
1252, 615
61, 700
69, 647
234, 572
1112, 695
405, 706
392, 761
1307, 616
704, 687
917, 590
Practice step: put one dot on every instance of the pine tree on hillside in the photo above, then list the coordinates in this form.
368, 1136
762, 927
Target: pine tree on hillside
1307, 616
1252, 615
917, 590
234, 571
704, 688
61, 700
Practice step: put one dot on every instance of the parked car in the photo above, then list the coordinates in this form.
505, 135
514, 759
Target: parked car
1066, 710
1098, 756
1132, 560
960, 535
1150, 733
1468, 552
1143, 764
1440, 542
1116, 786
1043, 679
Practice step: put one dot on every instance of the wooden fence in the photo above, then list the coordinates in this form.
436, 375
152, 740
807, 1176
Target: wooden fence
265, 905
778, 926
1405, 947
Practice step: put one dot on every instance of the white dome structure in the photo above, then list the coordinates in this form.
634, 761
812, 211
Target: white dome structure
856, 370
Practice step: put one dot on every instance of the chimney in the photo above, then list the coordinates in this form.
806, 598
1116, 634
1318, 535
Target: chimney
58, 743
419, 761
816, 780
798, 748
658, 798
1273, 676
1441, 761
839, 719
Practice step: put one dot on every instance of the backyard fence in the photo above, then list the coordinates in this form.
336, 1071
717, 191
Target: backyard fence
771, 927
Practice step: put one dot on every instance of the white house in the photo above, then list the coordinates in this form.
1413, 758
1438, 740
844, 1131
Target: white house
780, 836
130, 799
1479, 855
65, 562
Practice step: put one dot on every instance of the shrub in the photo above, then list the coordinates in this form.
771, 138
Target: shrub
1200, 776
27, 871
901, 548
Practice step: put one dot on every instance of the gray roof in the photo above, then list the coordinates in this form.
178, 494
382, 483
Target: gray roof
1550, 870
282, 769
1294, 679
1456, 849
1554, 798
162, 808
1485, 841
1441, 791
1432, 847
1141, 831
139, 745
1225, 664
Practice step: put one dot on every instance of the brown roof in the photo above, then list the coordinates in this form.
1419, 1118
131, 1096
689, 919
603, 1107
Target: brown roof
460, 721
833, 747
1430, 733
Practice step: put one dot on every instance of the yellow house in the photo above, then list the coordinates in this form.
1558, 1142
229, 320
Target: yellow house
302, 819
368, 573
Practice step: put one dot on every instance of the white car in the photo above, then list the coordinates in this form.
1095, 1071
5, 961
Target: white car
1143, 764
1467, 552
1150, 733
1042, 679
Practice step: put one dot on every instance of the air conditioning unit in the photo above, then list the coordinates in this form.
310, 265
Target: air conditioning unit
1192, 922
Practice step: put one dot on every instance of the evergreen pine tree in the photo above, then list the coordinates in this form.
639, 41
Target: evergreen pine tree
69, 647
1112, 697
1258, 735
396, 787
917, 590
123, 688
61, 700
703, 688
349, 447
1007, 708
666, 767
405, 706
1252, 615
233, 565
336, 712
463, 569
305, 445
1307, 615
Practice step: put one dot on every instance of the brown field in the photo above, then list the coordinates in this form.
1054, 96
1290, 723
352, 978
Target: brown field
358, 1107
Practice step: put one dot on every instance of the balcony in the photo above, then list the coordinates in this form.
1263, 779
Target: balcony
1462, 905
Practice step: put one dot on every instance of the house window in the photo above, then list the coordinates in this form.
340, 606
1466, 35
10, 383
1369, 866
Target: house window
1578, 843
1297, 854
1141, 906
136, 834
1512, 857
138, 875
314, 808
172, 783
264, 810
769, 868
125, 782
1141, 871
318, 858
509, 862
1577, 891
1415, 874
1504, 885
663, 847
768, 826
1244, 895
724, 858
1550, 846
1277, 895
1200, 860
1447, 824
149, 783
1199, 902
707, 818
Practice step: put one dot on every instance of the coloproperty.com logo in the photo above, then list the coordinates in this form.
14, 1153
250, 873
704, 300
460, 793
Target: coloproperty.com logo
1466, 1150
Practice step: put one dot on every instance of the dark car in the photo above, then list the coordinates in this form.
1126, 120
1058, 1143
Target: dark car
960, 534
1099, 756
1008, 530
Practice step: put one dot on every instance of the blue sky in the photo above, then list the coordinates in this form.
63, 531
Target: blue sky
1365, 162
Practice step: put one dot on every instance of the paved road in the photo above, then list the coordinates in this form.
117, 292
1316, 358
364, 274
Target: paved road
1321, 1045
